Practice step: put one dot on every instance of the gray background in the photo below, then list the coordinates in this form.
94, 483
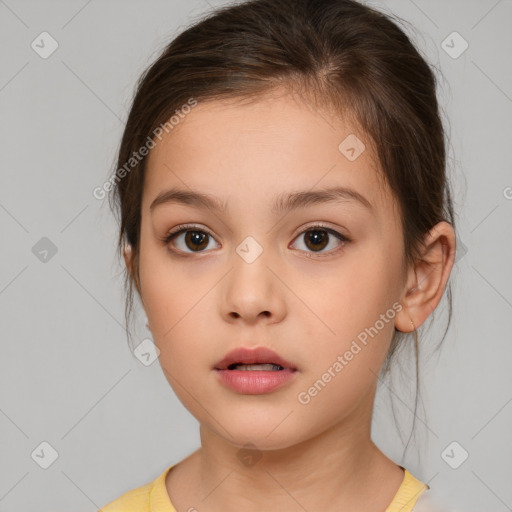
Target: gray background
67, 376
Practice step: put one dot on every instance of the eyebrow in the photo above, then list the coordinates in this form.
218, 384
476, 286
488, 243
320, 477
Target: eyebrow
283, 203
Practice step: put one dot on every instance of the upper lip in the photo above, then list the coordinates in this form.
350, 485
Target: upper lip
242, 355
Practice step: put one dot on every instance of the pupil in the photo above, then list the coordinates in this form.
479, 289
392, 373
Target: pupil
198, 238
317, 237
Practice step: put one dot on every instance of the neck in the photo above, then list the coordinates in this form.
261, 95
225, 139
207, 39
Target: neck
335, 467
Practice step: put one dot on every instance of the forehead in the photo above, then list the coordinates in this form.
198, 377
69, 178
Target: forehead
248, 153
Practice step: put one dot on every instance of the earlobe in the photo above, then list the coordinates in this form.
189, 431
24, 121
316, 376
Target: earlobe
426, 281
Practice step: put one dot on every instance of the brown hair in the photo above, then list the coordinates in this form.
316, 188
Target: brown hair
341, 55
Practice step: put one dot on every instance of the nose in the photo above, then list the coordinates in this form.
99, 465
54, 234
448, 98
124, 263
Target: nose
252, 293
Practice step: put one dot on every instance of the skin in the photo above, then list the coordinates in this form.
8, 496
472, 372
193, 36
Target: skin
318, 456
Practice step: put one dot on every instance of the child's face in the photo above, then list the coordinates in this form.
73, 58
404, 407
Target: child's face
306, 298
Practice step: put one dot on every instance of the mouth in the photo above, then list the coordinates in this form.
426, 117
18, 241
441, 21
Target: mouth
258, 366
256, 371
257, 359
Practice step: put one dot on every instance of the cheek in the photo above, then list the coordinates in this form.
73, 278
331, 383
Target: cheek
342, 369
353, 320
166, 289
346, 297
178, 308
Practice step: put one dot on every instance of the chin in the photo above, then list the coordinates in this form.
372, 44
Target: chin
259, 433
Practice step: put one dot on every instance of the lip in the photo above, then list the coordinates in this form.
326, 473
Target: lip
244, 355
255, 382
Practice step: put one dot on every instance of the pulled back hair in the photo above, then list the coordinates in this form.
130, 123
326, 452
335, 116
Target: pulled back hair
338, 54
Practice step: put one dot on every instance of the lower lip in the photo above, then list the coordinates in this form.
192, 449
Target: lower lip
255, 382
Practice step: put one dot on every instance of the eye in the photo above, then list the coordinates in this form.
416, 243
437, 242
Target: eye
198, 240
318, 237
195, 239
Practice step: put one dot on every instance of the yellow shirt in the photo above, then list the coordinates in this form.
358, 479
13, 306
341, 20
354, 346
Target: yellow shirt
153, 496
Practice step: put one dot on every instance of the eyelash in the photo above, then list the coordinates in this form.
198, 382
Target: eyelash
317, 227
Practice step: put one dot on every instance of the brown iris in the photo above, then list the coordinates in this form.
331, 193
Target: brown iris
197, 238
318, 239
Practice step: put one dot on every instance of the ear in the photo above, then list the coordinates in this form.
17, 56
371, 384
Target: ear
426, 281
127, 253
130, 261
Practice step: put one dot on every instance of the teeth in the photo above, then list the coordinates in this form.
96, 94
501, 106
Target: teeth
259, 366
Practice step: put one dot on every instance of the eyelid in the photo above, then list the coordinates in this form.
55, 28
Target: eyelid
177, 229
319, 225
182, 227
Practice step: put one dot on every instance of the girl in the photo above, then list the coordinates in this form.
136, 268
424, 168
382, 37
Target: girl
286, 221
